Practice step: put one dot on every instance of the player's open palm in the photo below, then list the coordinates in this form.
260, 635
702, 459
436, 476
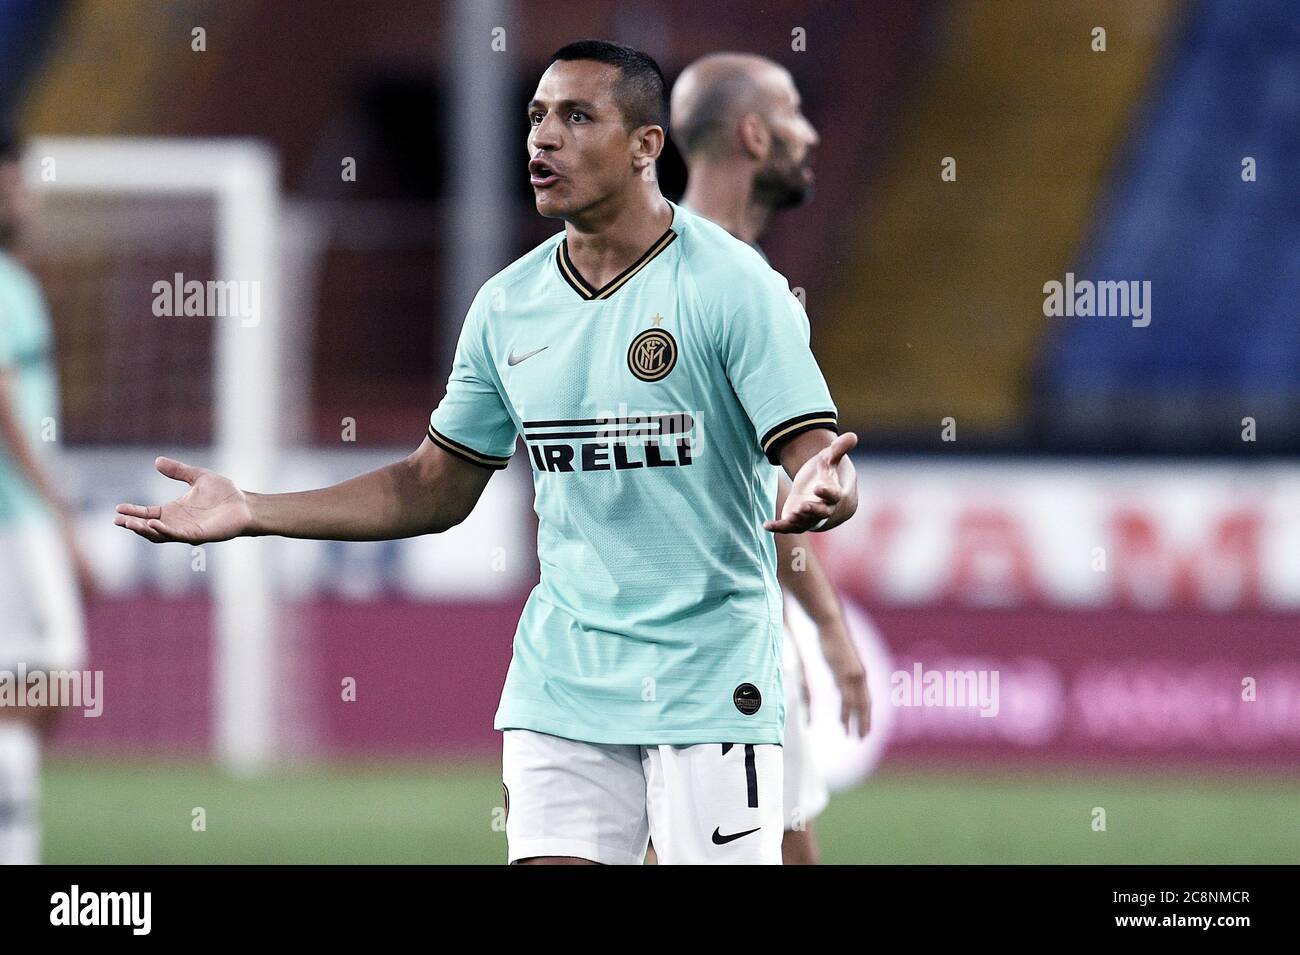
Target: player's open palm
213, 509
816, 490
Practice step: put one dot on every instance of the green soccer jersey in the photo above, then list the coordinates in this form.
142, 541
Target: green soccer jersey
651, 410
26, 353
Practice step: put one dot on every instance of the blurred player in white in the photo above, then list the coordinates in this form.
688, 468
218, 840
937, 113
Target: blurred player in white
748, 147
39, 557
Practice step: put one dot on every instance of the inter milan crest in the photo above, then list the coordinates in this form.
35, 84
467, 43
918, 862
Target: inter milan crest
653, 353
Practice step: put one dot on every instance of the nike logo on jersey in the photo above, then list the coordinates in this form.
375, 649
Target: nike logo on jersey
512, 359
720, 840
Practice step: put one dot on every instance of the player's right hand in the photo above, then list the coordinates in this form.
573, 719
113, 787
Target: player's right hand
213, 509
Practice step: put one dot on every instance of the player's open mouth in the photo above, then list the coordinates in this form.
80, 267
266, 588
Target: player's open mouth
542, 175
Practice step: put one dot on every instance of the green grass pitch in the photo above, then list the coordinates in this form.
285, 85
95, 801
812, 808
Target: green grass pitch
123, 812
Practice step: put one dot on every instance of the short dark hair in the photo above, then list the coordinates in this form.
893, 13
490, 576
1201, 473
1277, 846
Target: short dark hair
642, 92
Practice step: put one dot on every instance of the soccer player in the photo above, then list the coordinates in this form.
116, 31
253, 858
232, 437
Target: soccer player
654, 366
748, 149
40, 562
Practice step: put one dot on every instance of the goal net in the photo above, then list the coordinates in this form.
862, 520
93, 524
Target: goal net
160, 260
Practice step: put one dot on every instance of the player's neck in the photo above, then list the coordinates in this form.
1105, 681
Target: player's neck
605, 241
724, 194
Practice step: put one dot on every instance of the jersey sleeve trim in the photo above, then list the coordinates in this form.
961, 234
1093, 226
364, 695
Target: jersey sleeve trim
466, 453
778, 435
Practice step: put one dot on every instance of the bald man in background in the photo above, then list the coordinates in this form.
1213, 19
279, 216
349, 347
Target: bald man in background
748, 147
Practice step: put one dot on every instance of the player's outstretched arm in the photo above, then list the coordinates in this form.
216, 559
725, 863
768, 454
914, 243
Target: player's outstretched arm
824, 484
427, 492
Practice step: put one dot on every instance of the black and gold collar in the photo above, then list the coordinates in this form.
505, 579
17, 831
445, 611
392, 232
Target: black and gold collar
585, 289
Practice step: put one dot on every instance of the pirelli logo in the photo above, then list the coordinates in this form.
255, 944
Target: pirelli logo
626, 442
611, 443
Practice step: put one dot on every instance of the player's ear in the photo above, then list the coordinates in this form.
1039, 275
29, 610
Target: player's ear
647, 144
754, 136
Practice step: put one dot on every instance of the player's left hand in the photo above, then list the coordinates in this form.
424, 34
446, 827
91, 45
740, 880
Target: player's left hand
83, 570
816, 490
850, 678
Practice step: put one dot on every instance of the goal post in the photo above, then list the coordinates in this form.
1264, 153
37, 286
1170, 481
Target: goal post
240, 178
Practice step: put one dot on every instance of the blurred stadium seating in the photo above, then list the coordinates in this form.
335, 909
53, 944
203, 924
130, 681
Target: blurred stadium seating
1220, 252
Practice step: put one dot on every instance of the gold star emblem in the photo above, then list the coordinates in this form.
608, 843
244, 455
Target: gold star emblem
657, 319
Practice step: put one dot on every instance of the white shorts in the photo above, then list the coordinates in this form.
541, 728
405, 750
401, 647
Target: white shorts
41, 623
805, 790
710, 803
